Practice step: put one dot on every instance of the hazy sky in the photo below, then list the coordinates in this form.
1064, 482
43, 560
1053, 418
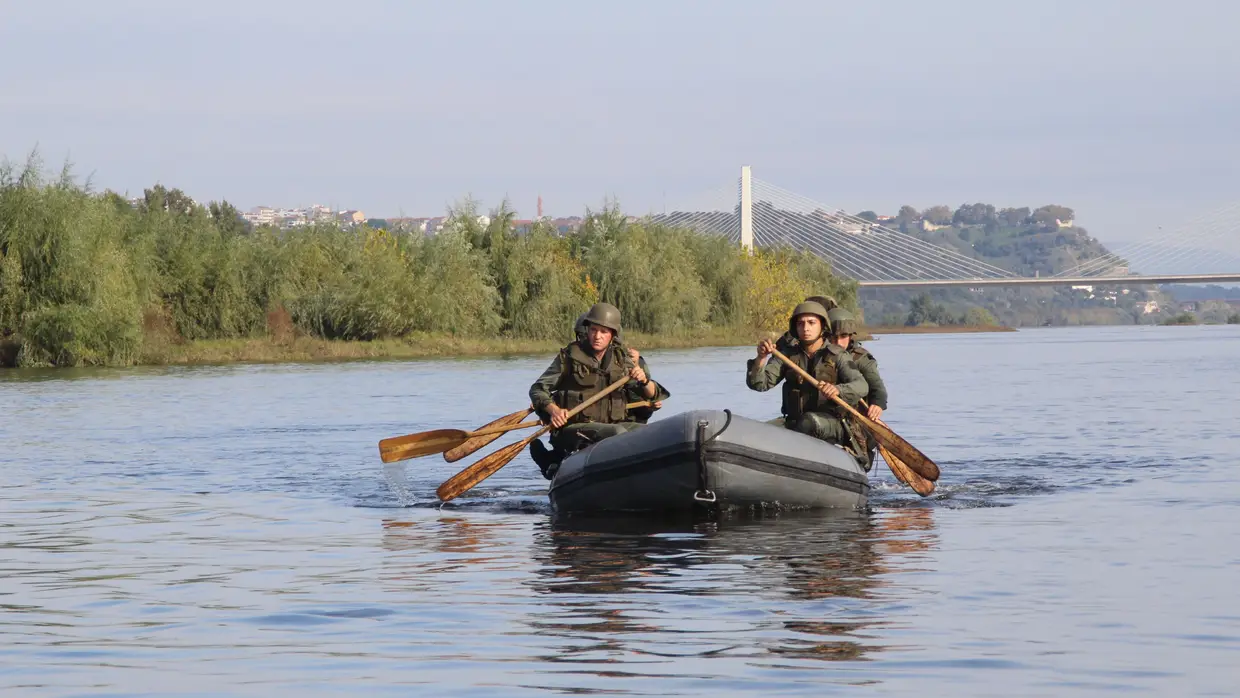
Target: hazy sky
1127, 111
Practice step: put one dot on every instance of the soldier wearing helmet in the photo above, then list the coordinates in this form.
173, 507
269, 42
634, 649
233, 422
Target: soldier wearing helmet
843, 330
580, 370
843, 334
808, 407
636, 414
787, 344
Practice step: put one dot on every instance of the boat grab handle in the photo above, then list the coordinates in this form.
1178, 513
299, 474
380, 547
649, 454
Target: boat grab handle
704, 493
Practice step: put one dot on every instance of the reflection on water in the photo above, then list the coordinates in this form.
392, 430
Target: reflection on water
616, 588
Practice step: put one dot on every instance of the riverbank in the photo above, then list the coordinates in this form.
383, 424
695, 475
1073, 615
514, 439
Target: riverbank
268, 350
937, 329
428, 346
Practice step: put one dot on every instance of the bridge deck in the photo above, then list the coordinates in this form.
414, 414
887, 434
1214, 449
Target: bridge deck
1059, 281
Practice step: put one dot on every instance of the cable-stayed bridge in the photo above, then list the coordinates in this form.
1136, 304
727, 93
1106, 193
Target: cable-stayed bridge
753, 212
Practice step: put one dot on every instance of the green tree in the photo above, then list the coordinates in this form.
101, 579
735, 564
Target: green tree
939, 215
924, 311
228, 219
979, 317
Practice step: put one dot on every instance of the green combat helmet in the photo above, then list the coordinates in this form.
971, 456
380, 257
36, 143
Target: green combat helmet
579, 329
807, 308
604, 315
842, 322
827, 302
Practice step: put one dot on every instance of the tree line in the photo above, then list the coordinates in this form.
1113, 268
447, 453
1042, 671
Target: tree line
89, 278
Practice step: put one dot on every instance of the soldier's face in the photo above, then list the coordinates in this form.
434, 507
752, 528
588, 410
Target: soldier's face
809, 328
599, 337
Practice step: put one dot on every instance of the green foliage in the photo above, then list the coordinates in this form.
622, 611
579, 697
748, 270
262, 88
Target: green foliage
1027, 242
978, 317
1233, 319
91, 279
1185, 318
923, 311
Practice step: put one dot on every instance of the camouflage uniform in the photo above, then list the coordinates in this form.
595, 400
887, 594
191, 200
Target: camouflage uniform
574, 376
868, 365
805, 409
641, 415
843, 324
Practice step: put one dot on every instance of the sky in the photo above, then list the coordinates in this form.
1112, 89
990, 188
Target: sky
1126, 111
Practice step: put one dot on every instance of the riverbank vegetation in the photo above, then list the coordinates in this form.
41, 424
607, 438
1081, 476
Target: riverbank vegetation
89, 278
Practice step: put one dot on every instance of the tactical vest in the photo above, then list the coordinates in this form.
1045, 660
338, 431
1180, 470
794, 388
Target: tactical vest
858, 352
583, 377
801, 396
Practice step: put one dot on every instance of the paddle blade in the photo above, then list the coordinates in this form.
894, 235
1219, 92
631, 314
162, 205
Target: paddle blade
472, 445
904, 474
465, 480
422, 444
904, 451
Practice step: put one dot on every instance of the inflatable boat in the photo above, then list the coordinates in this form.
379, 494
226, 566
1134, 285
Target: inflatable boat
708, 458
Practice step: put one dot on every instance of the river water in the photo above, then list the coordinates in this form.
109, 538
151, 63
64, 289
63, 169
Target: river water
231, 531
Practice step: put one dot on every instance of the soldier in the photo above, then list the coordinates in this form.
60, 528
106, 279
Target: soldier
808, 408
787, 344
843, 330
637, 414
580, 370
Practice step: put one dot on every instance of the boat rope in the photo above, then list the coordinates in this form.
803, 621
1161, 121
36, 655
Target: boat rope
704, 494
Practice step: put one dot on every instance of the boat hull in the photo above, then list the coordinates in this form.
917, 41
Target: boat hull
708, 458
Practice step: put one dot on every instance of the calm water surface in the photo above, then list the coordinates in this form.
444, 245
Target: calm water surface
231, 531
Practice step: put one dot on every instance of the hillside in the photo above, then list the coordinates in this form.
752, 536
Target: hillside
1029, 242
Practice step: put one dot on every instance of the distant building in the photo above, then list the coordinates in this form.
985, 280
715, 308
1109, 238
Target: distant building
351, 217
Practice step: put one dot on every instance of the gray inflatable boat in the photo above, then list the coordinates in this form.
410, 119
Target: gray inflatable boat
708, 458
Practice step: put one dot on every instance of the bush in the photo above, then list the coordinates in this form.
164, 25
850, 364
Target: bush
1181, 319
91, 279
979, 317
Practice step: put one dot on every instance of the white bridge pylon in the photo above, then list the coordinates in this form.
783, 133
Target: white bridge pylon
753, 212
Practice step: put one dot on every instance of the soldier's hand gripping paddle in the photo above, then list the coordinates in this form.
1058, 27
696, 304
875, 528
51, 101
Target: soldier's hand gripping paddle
477, 442
904, 451
465, 480
904, 473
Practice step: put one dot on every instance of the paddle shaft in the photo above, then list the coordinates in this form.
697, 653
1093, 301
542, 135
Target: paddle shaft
535, 422
465, 480
806, 375
915, 459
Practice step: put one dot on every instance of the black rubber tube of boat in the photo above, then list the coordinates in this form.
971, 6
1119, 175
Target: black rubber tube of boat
704, 493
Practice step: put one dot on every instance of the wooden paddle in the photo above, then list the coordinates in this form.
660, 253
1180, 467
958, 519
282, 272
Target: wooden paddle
904, 451
452, 455
477, 442
465, 480
439, 440
902, 472
456, 443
